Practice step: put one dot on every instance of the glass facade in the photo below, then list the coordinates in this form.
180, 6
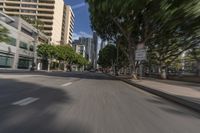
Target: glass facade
31, 48
24, 63
23, 45
6, 61
12, 41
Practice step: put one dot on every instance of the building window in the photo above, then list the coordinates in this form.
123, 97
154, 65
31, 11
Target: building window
26, 32
29, 1
23, 45
31, 48
6, 62
30, 6
24, 63
28, 11
12, 41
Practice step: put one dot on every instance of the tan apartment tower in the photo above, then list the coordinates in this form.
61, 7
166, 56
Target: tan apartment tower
68, 25
50, 12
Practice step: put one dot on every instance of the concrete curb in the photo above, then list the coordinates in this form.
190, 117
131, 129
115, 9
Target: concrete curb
187, 103
25, 71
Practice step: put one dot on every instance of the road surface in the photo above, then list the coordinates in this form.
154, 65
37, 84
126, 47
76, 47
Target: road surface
86, 103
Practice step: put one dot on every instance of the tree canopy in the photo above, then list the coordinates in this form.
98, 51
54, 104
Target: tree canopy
65, 53
38, 24
160, 25
46, 51
107, 56
62, 53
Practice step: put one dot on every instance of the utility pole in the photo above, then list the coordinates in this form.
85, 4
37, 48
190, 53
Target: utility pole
36, 35
140, 55
35, 52
117, 62
141, 69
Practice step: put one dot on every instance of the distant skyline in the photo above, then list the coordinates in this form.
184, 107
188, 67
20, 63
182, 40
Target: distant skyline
82, 21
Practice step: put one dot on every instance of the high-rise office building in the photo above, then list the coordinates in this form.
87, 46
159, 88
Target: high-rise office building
87, 42
88, 45
50, 12
103, 44
94, 51
68, 25
80, 49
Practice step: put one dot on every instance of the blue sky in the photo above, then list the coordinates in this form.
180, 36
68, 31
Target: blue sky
82, 21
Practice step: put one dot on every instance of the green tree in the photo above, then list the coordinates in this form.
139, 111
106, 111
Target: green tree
122, 58
66, 54
195, 54
62, 53
132, 20
47, 52
38, 24
122, 53
107, 56
139, 21
164, 50
4, 34
80, 60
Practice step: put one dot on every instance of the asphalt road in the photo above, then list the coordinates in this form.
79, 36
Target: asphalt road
86, 103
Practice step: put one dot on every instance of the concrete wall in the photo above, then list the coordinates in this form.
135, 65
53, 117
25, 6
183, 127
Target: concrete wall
68, 26
15, 50
57, 21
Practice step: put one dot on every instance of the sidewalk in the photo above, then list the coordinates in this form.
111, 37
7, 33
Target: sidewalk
185, 93
10, 70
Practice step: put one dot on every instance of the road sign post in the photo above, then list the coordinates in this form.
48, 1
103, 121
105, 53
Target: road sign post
140, 55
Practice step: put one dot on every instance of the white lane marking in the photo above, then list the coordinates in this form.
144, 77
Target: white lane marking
25, 101
67, 84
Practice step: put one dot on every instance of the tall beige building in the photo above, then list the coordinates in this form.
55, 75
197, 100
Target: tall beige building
68, 25
50, 12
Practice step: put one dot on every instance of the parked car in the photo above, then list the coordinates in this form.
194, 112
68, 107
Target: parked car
92, 70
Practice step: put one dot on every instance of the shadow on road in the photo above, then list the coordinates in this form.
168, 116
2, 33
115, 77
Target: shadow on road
47, 115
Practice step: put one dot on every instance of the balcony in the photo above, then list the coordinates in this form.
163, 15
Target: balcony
46, 3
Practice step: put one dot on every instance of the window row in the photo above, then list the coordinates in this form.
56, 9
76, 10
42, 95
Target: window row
24, 45
12, 41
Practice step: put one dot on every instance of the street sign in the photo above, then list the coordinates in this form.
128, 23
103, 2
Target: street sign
140, 46
140, 54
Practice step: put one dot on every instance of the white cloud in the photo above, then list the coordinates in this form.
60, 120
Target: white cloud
84, 34
78, 5
75, 36
81, 34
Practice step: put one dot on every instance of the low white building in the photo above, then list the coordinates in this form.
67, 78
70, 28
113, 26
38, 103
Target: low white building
80, 49
20, 51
